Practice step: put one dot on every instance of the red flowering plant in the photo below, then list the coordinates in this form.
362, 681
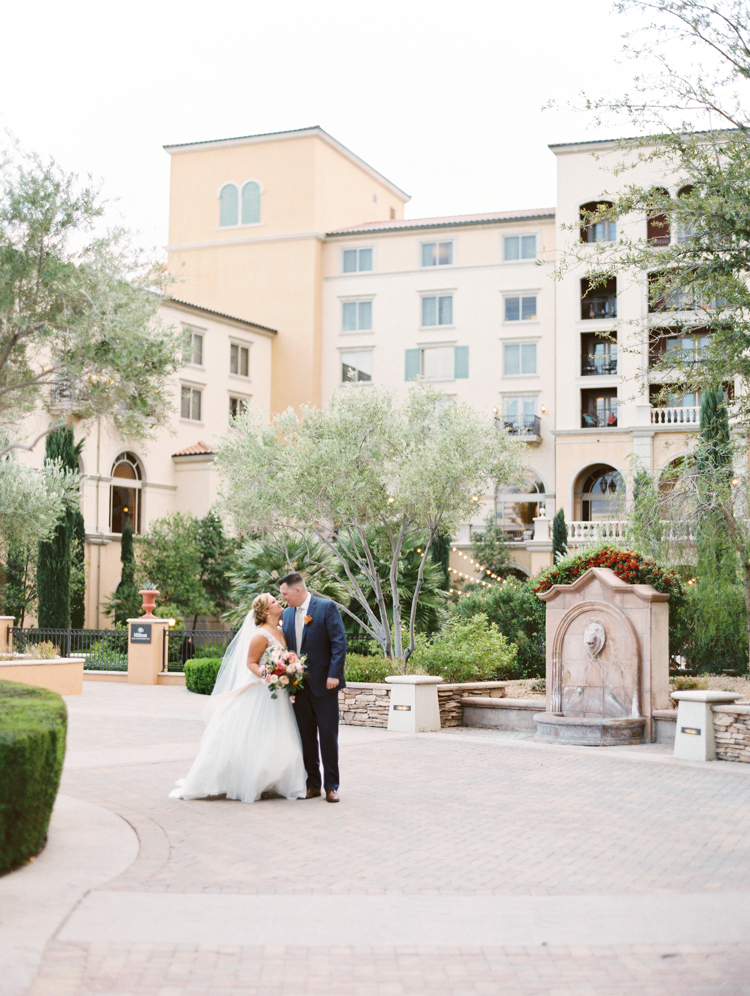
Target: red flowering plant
627, 564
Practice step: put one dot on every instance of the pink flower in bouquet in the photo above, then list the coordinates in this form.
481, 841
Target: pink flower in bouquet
284, 680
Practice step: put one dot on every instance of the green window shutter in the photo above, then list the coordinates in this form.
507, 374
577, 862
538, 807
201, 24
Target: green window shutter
462, 361
412, 364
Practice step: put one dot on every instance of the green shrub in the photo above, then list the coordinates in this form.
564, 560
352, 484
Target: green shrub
33, 723
518, 613
474, 650
108, 654
689, 684
714, 626
361, 668
200, 674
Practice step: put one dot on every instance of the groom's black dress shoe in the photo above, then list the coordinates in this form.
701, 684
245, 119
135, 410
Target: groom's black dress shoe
313, 794
332, 795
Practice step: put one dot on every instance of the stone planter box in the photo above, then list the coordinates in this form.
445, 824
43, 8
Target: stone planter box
61, 674
501, 714
368, 703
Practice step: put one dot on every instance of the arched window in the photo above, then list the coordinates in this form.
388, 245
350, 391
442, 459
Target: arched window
597, 231
228, 205
600, 494
685, 226
516, 507
657, 223
125, 494
251, 203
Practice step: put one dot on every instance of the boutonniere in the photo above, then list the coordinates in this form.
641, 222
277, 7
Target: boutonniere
308, 619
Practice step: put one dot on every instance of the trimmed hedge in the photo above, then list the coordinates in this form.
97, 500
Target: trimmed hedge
33, 725
200, 674
358, 667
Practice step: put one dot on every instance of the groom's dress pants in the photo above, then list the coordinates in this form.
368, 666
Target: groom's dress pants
318, 719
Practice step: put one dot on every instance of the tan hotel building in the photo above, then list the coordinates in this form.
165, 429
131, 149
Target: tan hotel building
300, 276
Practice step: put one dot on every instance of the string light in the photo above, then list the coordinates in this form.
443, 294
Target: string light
478, 566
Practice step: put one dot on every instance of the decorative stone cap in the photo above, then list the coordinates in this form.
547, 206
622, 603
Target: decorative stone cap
413, 679
706, 696
608, 577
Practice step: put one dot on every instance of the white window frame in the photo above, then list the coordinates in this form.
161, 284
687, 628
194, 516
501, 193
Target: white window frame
364, 298
343, 350
200, 389
244, 399
357, 249
451, 293
193, 331
514, 323
425, 347
240, 186
436, 242
520, 234
521, 342
240, 344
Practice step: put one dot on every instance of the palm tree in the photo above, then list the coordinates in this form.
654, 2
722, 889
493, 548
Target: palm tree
262, 562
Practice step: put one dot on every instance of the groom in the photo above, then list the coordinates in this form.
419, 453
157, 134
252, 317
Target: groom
313, 628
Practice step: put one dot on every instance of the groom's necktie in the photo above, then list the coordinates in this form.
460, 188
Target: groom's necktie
299, 622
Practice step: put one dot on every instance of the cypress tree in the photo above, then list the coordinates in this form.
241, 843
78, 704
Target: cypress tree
559, 537
53, 570
125, 602
78, 572
713, 466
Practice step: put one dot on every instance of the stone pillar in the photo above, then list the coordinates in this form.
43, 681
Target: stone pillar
147, 646
694, 737
414, 706
6, 639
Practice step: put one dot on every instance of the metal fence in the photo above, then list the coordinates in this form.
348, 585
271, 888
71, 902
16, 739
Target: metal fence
102, 649
185, 644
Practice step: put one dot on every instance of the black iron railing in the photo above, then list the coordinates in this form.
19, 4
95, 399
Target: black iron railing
185, 644
102, 649
523, 425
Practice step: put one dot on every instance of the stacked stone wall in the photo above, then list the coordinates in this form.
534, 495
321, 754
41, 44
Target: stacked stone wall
732, 732
367, 703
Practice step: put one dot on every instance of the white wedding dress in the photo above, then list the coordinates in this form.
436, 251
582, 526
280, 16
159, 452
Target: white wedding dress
251, 744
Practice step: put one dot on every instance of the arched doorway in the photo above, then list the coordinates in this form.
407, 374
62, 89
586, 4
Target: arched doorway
599, 494
516, 507
125, 493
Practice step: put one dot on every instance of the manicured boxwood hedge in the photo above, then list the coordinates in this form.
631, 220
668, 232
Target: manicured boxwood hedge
33, 724
200, 674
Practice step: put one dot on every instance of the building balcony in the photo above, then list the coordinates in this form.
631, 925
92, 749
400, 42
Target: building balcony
688, 416
599, 307
583, 533
599, 364
526, 426
599, 418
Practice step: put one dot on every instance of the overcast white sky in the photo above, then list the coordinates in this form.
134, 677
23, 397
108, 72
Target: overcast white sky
442, 98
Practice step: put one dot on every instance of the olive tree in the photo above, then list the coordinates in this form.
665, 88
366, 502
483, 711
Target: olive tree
366, 462
78, 332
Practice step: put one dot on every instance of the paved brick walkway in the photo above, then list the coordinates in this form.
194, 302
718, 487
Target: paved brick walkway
468, 814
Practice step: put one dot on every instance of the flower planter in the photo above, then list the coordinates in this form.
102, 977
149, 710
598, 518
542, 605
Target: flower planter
149, 596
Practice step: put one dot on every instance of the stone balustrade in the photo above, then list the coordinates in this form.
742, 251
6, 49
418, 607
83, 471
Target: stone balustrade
367, 703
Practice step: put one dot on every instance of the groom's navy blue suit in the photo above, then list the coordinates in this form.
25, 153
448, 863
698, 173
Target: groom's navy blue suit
317, 707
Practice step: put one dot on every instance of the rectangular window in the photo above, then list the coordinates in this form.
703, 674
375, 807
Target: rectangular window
437, 253
192, 348
356, 366
520, 417
239, 360
237, 406
356, 316
190, 403
437, 310
519, 247
520, 309
519, 358
438, 363
356, 260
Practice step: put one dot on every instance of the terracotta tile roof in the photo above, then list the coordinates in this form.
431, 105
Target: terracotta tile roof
486, 218
197, 449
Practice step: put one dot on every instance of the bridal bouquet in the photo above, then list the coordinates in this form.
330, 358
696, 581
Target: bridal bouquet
284, 671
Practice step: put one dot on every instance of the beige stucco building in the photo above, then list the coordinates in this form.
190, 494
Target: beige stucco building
333, 289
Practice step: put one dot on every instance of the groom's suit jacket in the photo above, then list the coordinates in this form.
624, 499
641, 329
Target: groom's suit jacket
323, 643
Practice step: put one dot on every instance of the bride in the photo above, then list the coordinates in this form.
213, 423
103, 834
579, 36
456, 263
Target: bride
251, 744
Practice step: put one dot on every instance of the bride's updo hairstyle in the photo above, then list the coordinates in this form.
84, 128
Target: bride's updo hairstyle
260, 608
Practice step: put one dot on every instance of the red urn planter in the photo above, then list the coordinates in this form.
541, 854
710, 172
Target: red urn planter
149, 601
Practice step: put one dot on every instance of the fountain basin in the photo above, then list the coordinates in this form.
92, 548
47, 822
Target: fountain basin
589, 731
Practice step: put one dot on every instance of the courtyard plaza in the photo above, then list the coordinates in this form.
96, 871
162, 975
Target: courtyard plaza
460, 862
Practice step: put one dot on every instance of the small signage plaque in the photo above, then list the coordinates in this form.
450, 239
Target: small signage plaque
691, 730
140, 632
402, 708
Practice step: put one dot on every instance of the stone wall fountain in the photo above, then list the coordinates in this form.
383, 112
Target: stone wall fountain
607, 661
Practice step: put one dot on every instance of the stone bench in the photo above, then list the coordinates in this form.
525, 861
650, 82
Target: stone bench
500, 713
